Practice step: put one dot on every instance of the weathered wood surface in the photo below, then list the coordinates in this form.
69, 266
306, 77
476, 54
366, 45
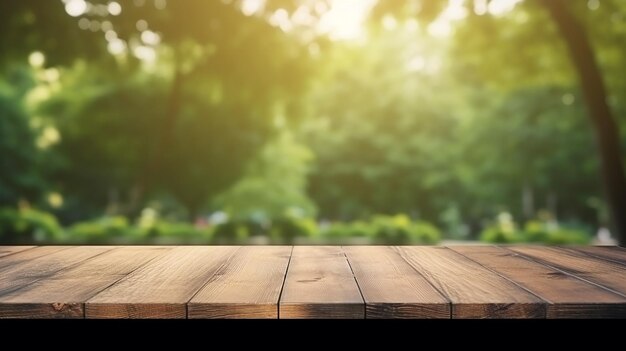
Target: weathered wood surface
51, 298
392, 288
312, 282
162, 288
567, 296
475, 292
320, 284
597, 271
248, 286
10, 250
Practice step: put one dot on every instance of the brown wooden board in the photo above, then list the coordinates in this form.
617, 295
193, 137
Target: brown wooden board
312, 282
392, 288
25, 271
162, 288
248, 286
475, 292
26, 256
320, 284
610, 253
605, 273
567, 296
63, 294
10, 250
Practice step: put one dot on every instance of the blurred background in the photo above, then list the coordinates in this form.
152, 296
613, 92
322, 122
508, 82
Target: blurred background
312, 121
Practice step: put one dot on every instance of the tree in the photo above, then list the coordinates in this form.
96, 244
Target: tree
184, 100
20, 179
211, 46
381, 130
30, 25
583, 57
274, 186
600, 114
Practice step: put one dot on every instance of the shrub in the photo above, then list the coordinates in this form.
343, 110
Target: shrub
100, 231
28, 226
535, 231
553, 234
392, 230
400, 230
285, 230
342, 230
236, 231
503, 231
282, 230
176, 233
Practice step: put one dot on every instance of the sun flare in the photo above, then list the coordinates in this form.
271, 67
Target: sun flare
345, 20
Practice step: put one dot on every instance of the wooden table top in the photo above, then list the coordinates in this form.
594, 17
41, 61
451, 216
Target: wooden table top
312, 282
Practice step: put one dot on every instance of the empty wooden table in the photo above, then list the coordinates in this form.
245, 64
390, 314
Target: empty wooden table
286, 282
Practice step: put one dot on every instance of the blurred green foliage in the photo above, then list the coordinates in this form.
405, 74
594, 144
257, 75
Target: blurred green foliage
27, 226
391, 230
202, 123
32, 226
506, 231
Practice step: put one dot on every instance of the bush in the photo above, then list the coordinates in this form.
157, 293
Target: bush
391, 230
285, 230
28, 226
549, 232
281, 230
176, 233
237, 231
342, 230
553, 234
400, 230
100, 231
503, 231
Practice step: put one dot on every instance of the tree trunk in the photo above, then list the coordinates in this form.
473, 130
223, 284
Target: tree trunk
595, 94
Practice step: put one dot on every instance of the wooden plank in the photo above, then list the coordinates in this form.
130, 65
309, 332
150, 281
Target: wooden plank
248, 286
320, 284
605, 273
610, 253
162, 288
391, 288
63, 294
475, 292
28, 255
25, 271
10, 250
568, 297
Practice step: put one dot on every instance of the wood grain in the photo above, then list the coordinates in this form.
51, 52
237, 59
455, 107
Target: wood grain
62, 295
475, 292
610, 253
605, 273
19, 258
567, 296
320, 284
391, 288
312, 282
53, 259
162, 288
248, 286
10, 250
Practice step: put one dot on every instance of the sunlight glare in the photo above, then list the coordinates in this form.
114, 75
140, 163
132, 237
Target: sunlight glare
250, 7
114, 8
75, 8
280, 18
346, 18
116, 46
501, 7
37, 59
